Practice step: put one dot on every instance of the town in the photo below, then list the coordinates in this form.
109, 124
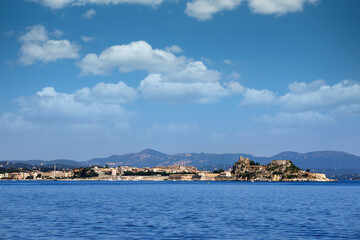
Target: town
120, 173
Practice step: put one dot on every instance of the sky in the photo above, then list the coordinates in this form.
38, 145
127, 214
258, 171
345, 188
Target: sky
92, 78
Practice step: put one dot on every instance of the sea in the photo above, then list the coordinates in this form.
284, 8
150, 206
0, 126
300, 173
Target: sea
179, 210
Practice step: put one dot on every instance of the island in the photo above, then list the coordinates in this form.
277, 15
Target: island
243, 170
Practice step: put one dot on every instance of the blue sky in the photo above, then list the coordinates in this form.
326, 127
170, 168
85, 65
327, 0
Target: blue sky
82, 79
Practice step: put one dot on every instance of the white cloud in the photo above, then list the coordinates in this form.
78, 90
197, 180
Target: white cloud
277, 7
301, 87
348, 110
254, 97
155, 88
141, 56
35, 33
296, 119
171, 79
319, 95
57, 4
107, 93
89, 13
36, 46
205, 9
194, 72
97, 110
15, 123
87, 39
134, 56
100, 103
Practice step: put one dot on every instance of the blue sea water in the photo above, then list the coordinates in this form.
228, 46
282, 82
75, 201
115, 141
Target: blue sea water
179, 210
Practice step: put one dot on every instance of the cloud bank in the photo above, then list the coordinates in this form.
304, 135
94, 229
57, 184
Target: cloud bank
200, 9
205, 9
171, 79
58, 4
100, 104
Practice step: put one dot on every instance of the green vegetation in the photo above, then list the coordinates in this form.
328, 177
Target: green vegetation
11, 170
219, 171
292, 168
87, 172
252, 163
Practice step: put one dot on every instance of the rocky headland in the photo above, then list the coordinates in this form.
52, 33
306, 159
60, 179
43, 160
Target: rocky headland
278, 170
243, 170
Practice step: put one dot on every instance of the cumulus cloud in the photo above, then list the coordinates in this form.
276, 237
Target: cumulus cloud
205, 9
277, 7
36, 46
101, 103
254, 97
141, 56
89, 13
171, 79
16, 123
193, 72
317, 95
107, 93
57, 4
133, 56
51, 106
155, 88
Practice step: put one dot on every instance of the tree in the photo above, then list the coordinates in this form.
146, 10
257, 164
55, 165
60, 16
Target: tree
219, 171
254, 163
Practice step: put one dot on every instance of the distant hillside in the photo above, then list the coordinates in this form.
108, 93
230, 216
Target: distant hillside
321, 159
206, 161
151, 158
145, 158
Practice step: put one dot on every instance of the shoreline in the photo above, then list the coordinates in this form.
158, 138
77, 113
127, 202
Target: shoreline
147, 180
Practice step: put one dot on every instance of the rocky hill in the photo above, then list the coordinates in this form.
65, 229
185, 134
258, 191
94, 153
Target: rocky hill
277, 170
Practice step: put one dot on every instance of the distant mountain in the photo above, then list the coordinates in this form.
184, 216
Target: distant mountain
321, 159
152, 158
145, 158
206, 161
